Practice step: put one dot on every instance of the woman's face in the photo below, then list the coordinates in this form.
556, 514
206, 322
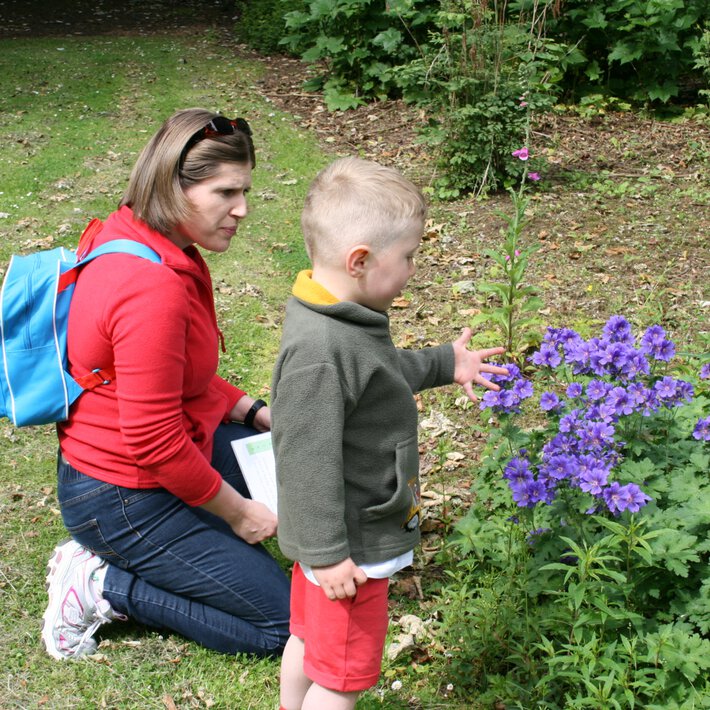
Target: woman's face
218, 203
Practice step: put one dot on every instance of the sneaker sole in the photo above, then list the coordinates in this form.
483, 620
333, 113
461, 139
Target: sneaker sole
57, 568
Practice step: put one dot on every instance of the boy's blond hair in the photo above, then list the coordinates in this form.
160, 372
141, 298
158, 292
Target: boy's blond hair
354, 201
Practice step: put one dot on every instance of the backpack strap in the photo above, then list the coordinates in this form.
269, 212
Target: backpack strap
94, 379
116, 246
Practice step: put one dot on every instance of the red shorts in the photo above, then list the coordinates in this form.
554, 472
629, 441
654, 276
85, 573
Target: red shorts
343, 639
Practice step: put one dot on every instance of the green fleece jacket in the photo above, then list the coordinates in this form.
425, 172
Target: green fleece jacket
344, 425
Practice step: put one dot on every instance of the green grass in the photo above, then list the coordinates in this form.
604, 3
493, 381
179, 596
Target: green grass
74, 112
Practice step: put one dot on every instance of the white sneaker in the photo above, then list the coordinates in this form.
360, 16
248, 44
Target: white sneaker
76, 607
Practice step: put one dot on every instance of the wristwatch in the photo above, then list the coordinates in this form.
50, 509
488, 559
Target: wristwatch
249, 418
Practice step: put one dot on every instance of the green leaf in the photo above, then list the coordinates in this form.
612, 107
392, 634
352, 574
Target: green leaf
390, 40
623, 53
337, 100
533, 304
677, 550
322, 8
663, 92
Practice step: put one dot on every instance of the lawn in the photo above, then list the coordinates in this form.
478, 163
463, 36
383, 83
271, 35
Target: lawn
621, 218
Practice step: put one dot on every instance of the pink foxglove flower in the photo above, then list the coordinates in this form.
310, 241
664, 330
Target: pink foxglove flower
534, 176
521, 153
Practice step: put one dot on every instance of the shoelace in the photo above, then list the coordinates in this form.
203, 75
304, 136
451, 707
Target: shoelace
102, 614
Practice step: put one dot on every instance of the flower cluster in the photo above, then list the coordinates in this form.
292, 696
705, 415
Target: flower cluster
513, 391
614, 378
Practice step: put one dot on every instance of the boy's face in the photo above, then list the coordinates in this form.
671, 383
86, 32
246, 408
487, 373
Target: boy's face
388, 270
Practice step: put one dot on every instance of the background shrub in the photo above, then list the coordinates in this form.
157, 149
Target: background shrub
356, 44
638, 50
260, 24
483, 75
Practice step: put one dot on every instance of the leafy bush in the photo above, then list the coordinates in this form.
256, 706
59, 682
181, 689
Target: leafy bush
479, 68
261, 25
639, 50
355, 44
584, 578
702, 62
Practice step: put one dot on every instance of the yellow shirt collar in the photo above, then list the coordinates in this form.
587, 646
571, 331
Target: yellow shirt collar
310, 291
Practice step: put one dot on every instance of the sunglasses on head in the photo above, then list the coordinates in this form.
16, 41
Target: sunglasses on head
218, 126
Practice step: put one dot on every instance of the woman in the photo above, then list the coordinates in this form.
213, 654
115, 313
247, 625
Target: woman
163, 530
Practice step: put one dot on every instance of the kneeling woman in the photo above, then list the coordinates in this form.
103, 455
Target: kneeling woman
162, 528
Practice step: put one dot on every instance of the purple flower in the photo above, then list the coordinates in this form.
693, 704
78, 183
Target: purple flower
702, 430
629, 497
618, 330
558, 467
507, 400
521, 153
569, 422
534, 176
613, 497
597, 389
547, 356
518, 472
705, 371
593, 481
578, 354
638, 393
574, 390
665, 388
513, 373
618, 398
684, 391
655, 344
523, 389
654, 336
549, 401
529, 493
560, 444
633, 497
604, 411
611, 357
636, 364
596, 435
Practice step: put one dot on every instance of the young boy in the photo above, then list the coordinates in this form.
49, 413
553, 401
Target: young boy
344, 424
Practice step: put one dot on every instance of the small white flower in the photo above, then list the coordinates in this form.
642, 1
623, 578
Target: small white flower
397, 685
450, 687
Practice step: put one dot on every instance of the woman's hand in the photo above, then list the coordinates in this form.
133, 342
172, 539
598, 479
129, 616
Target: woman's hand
341, 580
256, 522
469, 364
250, 520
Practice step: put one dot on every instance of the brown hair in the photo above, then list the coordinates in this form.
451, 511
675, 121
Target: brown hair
155, 187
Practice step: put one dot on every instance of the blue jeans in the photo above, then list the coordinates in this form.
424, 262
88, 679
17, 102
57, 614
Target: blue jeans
176, 567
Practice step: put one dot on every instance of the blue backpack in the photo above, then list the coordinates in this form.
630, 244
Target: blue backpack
35, 386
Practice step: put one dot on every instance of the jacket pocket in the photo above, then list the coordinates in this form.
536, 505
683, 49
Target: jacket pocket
406, 495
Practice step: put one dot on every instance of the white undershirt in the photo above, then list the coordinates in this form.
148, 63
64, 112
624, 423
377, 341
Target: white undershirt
373, 570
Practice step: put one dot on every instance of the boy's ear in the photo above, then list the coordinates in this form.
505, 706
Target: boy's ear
356, 260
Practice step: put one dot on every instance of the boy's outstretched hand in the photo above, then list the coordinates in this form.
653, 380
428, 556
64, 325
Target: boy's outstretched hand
469, 364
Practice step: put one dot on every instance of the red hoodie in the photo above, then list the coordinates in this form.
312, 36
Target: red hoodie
155, 325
